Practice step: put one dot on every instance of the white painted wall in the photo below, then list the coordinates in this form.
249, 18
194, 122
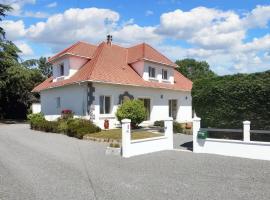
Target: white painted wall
36, 108
72, 97
159, 105
148, 145
236, 148
141, 67
71, 65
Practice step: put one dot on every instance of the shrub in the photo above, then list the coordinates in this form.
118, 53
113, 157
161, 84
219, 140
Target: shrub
62, 126
227, 101
177, 127
133, 110
35, 119
49, 126
159, 123
80, 127
66, 114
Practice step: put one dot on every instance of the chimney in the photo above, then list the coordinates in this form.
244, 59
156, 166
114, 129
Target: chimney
109, 40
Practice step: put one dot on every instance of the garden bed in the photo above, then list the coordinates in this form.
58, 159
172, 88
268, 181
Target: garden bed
115, 135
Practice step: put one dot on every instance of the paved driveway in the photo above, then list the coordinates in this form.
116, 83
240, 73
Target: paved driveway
35, 165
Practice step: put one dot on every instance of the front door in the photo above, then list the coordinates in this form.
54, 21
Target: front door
147, 105
173, 108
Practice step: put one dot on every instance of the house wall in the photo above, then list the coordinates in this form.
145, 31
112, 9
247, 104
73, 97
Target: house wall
71, 65
141, 67
159, 102
72, 97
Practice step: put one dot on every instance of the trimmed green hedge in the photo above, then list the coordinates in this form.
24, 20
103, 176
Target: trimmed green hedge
227, 101
72, 127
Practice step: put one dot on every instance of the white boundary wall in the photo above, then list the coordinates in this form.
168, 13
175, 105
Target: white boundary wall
245, 148
149, 145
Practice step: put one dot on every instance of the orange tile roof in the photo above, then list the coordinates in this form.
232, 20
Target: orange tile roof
82, 49
111, 64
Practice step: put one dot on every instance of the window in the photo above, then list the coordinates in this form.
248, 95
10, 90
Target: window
152, 72
173, 108
61, 69
105, 104
58, 102
164, 74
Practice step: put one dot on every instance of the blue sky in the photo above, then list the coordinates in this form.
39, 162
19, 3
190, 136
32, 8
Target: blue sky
233, 36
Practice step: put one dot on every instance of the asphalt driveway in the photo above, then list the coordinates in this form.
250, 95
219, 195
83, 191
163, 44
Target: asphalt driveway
36, 165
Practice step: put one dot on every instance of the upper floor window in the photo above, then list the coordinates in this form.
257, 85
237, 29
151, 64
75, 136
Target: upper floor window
152, 72
164, 74
105, 104
61, 69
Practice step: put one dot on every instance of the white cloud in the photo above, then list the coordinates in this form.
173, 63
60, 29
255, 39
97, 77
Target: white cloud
14, 29
74, 24
217, 36
26, 50
52, 5
149, 12
17, 5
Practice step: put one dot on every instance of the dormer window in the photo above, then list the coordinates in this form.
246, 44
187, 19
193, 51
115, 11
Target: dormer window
61, 69
152, 72
164, 74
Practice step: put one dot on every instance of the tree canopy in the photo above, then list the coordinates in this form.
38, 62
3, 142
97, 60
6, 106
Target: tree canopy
16, 81
194, 70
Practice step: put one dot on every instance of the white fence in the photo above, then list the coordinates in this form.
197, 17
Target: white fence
238, 148
149, 145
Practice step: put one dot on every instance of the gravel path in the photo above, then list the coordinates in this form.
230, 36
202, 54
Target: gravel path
36, 165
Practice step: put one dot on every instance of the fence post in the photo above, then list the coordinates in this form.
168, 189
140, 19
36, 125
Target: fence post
168, 131
246, 131
126, 137
195, 128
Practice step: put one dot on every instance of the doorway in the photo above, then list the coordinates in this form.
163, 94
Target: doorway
147, 105
173, 108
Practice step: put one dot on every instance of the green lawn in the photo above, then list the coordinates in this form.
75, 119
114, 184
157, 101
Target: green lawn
116, 134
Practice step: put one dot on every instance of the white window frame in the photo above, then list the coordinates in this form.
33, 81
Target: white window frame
104, 110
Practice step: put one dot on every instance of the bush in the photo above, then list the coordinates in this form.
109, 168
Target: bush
133, 110
66, 114
62, 126
227, 101
35, 120
177, 127
80, 127
49, 126
159, 123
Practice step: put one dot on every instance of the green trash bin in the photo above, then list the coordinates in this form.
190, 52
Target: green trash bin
202, 134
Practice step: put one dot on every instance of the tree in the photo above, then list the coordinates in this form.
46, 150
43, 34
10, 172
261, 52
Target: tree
133, 110
42, 64
194, 70
16, 81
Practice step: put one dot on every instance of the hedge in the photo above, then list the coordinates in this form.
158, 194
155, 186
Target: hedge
227, 101
72, 127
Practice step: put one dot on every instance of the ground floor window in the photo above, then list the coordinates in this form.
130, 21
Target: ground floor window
58, 102
147, 105
105, 104
173, 108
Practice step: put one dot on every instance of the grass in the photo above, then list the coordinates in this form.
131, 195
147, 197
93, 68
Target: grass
116, 134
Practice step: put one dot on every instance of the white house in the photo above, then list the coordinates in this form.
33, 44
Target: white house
93, 81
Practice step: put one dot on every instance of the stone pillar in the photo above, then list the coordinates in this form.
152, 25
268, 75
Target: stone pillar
126, 137
168, 131
246, 131
195, 128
